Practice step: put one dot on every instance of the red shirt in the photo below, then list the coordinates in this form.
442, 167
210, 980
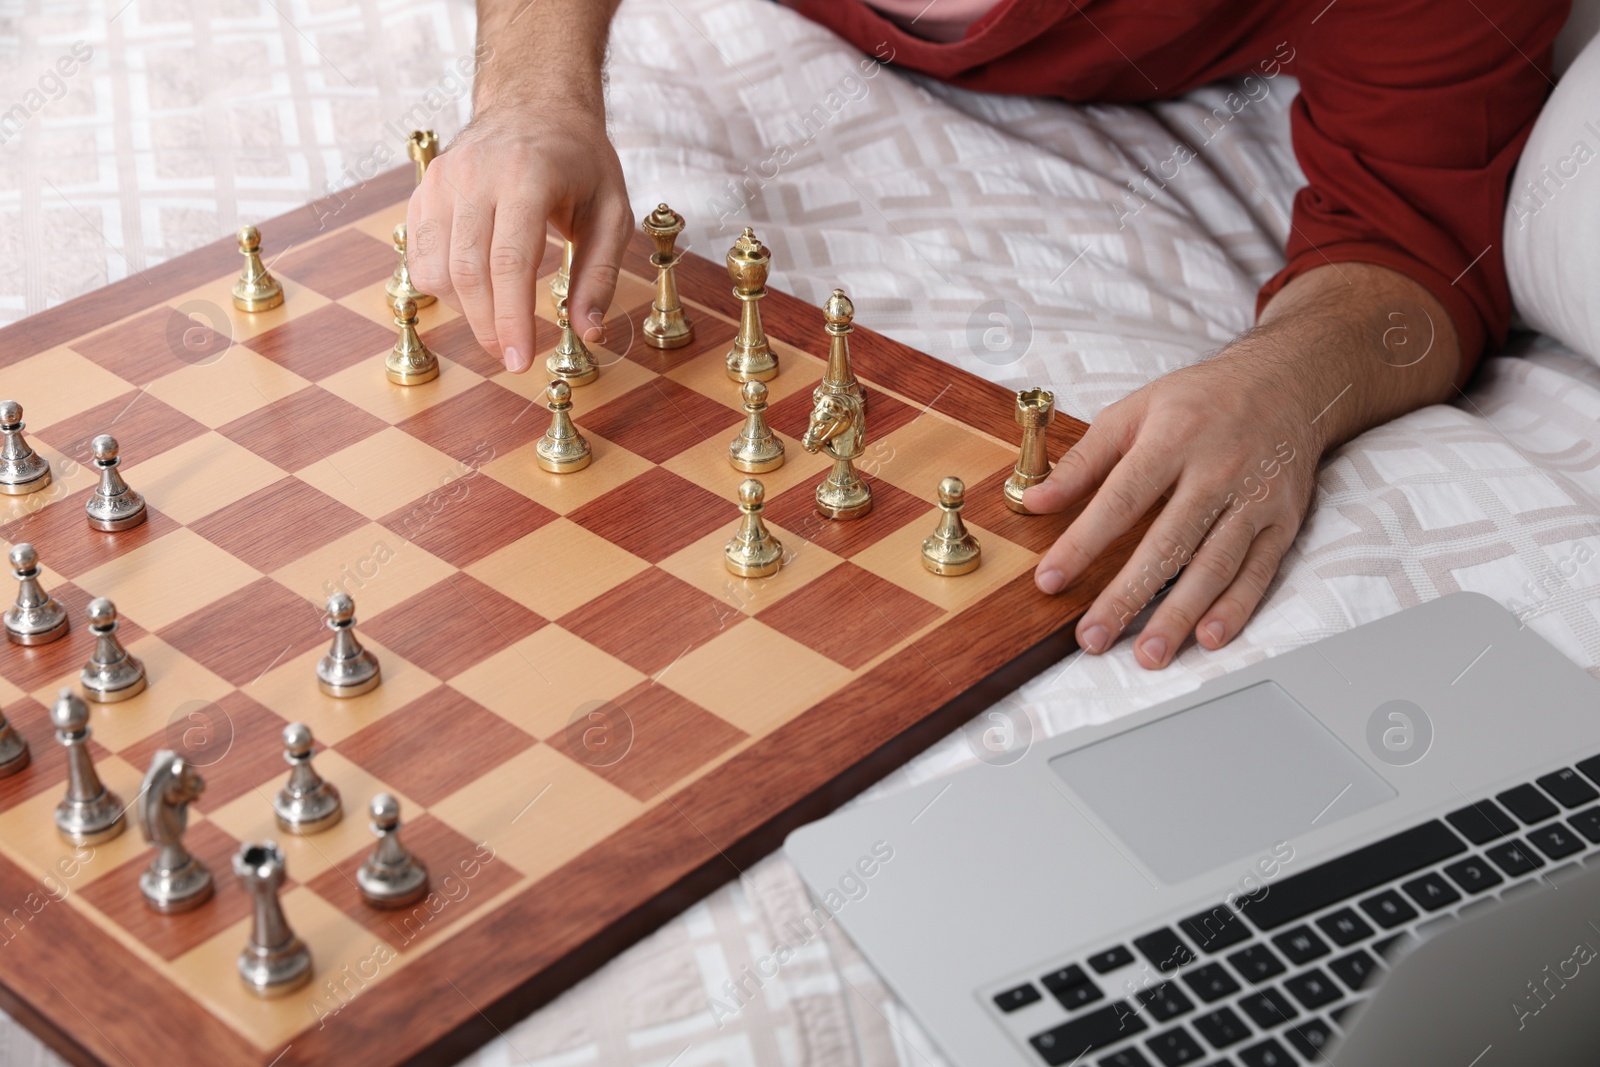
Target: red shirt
1408, 125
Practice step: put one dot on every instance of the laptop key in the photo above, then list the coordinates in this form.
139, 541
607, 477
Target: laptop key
1211, 982
1111, 959
1515, 857
1482, 822
1175, 1047
1591, 767
1072, 987
1309, 1038
1165, 949
1587, 823
1388, 909
1313, 989
1128, 1057
1216, 929
1267, 1054
1221, 1027
1097, 1029
1268, 1008
1568, 786
1473, 875
1354, 970
1257, 963
1528, 804
1301, 945
1555, 841
1345, 927
1164, 1001
1431, 891
1020, 997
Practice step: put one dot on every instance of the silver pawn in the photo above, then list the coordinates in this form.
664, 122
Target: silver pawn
392, 877
308, 803
176, 881
90, 814
348, 670
112, 674
112, 506
22, 470
14, 754
37, 618
274, 960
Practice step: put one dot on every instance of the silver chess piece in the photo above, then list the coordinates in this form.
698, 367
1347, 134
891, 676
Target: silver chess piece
274, 960
90, 813
392, 877
348, 670
14, 753
308, 803
37, 618
112, 673
22, 470
951, 549
176, 881
112, 506
756, 449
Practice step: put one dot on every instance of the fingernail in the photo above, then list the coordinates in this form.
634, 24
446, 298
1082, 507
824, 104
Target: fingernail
1216, 630
514, 361
1050, 581
1155, 649
1096, 637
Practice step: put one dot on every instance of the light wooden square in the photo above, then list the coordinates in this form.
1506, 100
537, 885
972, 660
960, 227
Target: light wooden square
28, 831
617, 376
374, 565
708, 375
706, 465
701, 565
373, 302
543, 681
161, 582
929, 448
380, 224
212, 305
898, 557
199, 476
290, 689
230, 387
557, 568
563, 493
365, 386
791, 677
58, 384
383, 472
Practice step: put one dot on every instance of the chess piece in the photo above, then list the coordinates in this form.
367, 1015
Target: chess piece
666, 326
757, 449
112, 674
570, 361
1035, 409
256, 289
951, 549
176, 881
839, 427
347, 670
308, 803
90, 813
22, 470
562, 278
751, 356
392, 877
753, 552
37, 618
562, 449
112, 506
399, 283
14, 752
838, 315
274, 960
422, 146
409, 362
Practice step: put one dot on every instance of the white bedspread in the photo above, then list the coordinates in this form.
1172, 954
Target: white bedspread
996, 233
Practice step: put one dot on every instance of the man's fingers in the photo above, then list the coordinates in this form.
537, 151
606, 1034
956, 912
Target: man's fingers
1228, 614
1215, 564
514, 255
596, 257
1122, 499
428, 240
1083, 467
471, 234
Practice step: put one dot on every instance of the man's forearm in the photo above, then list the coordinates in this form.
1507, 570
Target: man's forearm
542, 52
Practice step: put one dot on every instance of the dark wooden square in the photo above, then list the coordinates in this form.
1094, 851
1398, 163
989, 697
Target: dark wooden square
403, 749
650, 620
668, 736
278, 524
655, 514
143, 426
712, 337
246, 633
795, 510
62, 530
661, 418
452, 625
154, 344
850, 615
467, 519
885, 414
30, 666
486, 413
244, 755
47, 759
986, 507
324, 342
338, 265
302, 428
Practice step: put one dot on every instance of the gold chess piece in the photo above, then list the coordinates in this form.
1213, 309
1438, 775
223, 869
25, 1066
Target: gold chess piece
409, 362
751, 356
1035, 410
666, 326
562, 449
951, 549
838, 315
839, 428
562, 278
753, 552
399, 283
422, 146
757, 449
256, 289
570, 361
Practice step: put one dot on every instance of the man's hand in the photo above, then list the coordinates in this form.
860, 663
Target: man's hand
1233, 443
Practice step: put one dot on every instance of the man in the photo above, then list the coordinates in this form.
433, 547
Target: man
1408, 126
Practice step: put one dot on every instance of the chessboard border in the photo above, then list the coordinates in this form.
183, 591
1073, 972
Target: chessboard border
564, 926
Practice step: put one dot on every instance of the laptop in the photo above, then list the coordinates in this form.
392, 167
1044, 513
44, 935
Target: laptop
1382, 848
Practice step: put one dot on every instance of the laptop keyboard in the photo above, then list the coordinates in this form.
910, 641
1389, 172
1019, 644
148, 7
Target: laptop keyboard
1265, 983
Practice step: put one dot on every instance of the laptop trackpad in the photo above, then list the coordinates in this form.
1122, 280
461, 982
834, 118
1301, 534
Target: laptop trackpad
1221, 781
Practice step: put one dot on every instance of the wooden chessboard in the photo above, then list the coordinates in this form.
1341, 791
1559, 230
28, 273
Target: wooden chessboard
588, 722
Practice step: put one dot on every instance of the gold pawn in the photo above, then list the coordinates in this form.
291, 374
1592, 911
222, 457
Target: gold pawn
256, 290
399, 283
570, 361
562, 449
951, 549
409, 362
753, 552
1034, 412
756, 449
